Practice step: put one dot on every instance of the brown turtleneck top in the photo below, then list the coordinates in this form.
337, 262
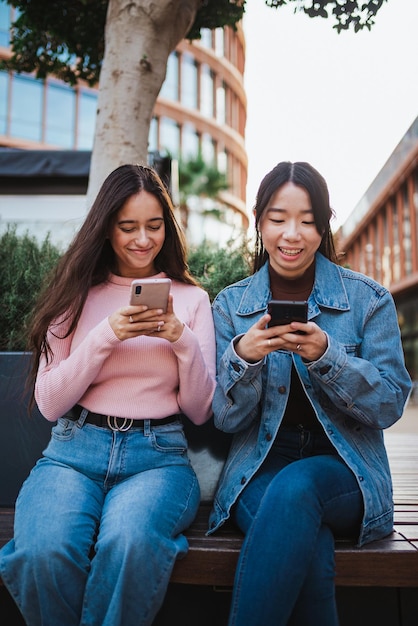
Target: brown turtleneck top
299, 411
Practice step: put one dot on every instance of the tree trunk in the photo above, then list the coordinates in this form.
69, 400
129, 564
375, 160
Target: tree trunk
139, 37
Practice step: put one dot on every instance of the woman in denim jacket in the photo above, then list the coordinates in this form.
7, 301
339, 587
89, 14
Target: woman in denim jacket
307, 411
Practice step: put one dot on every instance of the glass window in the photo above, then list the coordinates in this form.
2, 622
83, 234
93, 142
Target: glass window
4, 84
206, 37
206, 91
26, 121
190, 142
220, 105
208, 149
170, 88
170, 133
406, 222
219, 42
415, 205
222, 162
86, 119
188, 81
377, 251
60, 115
386, 255
396, 247
153, 135
4, 24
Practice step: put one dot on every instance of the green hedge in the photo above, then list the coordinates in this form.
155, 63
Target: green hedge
215, 268
23, 264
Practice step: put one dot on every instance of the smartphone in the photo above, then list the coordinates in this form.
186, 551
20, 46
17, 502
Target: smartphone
286, 311
151, 291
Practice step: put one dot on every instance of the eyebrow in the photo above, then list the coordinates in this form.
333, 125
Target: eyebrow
278, 210
153, 219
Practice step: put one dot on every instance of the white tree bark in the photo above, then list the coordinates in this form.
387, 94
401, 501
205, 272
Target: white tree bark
139, 37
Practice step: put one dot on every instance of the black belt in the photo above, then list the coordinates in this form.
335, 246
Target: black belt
118, 423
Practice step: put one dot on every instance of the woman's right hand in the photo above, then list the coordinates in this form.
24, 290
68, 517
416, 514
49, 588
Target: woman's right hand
133, 321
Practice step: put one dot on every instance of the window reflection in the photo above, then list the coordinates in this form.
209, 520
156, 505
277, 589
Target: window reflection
86, 120
26, 121
170, 131
206, 91
219, 42
4, 24
190, 142
208, 148
406, 224
220, 105
60, 115
4, 80
188, 81
153, 135
206, 38
170, 88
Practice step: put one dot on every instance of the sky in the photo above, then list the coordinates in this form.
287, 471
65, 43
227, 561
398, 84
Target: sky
342, 102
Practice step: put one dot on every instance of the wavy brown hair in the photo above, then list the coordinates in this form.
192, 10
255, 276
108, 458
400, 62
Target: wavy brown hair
303, 175
90, 258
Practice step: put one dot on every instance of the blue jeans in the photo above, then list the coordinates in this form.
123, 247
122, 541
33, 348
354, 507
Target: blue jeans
289, 512
129, 495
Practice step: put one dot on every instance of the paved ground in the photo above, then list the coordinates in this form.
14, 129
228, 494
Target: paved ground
408, 422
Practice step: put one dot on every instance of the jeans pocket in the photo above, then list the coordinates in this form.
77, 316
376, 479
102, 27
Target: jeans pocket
64, 429
169, 438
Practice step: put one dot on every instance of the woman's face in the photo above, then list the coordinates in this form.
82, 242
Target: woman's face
137, 235
288, 231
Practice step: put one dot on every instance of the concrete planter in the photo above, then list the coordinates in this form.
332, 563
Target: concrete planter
23, 437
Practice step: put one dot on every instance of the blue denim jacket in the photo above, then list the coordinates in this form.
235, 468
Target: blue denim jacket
357, 388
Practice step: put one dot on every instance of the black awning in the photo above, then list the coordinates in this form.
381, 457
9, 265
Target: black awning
44, 163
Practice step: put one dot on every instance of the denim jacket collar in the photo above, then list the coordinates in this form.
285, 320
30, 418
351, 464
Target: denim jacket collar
328, 290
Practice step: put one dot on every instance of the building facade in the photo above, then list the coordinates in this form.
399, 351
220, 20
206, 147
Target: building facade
380, 238
201, 109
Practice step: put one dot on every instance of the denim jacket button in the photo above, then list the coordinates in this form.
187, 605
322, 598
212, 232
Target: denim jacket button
243, 480
269, 437
325, 369
282, 389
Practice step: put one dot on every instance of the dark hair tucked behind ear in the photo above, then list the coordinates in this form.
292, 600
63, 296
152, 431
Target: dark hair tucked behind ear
90, 257
306, 176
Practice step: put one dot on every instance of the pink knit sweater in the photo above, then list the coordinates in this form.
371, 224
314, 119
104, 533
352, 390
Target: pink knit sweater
142, 377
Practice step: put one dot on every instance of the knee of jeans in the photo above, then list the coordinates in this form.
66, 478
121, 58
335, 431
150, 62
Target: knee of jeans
294, 486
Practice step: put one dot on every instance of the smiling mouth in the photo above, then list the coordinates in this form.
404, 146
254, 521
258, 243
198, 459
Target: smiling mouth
291, 252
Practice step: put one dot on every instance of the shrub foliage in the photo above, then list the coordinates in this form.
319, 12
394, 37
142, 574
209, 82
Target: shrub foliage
24, 262
215, 268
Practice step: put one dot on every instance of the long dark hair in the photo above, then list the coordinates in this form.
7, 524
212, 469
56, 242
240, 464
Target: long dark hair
306, 176
90, 257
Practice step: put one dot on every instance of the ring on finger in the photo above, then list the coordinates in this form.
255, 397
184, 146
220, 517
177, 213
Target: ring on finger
269, 343
298, 347
131, 319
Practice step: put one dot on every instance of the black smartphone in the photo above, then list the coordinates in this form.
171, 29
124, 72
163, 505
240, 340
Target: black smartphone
286, 311
150, 291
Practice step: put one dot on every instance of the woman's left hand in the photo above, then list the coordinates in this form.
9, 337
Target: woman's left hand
167, 326
311, 343
171, 328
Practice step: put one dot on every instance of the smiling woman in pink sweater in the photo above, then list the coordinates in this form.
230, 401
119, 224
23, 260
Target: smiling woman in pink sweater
99, 521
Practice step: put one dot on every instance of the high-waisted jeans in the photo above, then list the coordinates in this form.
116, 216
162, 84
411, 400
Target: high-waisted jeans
128, 494
302, 495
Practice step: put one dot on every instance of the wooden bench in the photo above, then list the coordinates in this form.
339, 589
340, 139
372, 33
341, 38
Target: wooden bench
390, 562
